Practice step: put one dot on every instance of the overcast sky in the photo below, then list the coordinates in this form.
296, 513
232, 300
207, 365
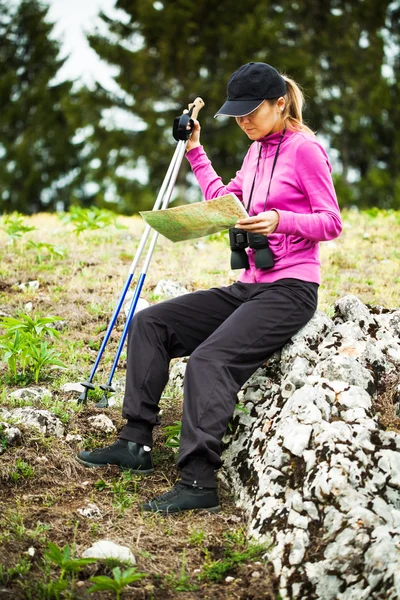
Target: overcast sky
72, 18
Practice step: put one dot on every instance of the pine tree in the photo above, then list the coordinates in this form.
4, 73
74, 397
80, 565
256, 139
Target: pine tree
39, 158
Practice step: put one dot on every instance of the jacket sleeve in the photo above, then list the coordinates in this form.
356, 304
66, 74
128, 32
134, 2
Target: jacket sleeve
313, 176
210, 183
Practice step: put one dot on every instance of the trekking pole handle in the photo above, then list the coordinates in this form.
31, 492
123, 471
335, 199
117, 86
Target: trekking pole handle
195, 107
183, 125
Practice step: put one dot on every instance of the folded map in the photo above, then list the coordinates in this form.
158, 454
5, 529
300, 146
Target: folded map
196, 220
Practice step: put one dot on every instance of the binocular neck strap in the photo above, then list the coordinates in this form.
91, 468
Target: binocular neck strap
272, 172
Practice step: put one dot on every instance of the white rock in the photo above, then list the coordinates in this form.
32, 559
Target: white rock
394, 323
167, 289
296, 437
31, 285
320, 455
73, 387
140, 305
355, 397
10, 435
299, 546
5, 414
345, 368
43, 420
297, 520
91, 511
389, 462
31, 394
107, 549
177, 375
102, 423
71, 437
350, 308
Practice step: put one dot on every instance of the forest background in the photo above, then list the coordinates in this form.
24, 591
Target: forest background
58, 146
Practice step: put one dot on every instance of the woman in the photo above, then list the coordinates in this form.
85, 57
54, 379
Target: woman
286, 186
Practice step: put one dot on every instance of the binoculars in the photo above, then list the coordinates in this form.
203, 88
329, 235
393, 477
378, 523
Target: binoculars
239, 239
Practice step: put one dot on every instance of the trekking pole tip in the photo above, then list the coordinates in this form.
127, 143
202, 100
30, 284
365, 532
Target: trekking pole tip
88, 385
108, 389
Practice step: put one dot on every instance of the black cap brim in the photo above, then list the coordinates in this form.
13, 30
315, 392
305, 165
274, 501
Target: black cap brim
238, 108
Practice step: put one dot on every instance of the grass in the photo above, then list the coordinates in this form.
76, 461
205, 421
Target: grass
42, 486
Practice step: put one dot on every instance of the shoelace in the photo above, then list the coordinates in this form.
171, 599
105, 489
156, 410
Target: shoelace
97, 450
171, 493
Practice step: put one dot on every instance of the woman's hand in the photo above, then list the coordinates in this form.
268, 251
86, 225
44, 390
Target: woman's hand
264, 222
194, 140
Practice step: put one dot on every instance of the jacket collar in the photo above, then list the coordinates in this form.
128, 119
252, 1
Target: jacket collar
273, 139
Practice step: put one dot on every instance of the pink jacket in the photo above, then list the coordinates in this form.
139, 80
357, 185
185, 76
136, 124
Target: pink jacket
301, 192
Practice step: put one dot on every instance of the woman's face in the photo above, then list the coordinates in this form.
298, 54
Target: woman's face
264, 120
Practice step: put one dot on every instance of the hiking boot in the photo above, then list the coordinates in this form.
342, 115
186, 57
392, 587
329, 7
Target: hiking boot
185, 497
123, 453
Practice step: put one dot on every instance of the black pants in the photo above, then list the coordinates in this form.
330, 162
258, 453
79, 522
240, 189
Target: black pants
228, 333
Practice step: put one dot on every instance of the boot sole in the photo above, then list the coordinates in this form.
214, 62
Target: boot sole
212, 509
101, 466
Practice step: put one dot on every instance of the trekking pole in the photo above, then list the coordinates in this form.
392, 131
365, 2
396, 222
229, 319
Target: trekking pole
180, 123
180, 131
88, 385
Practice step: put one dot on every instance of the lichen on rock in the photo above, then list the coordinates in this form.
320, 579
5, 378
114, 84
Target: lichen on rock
311, 463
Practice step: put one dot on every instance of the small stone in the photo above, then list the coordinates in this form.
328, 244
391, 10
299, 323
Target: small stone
102, 423
31, 285
91, 511
287, 389
255, 575
41, 459
73, 387
140, 305
107, 549
228, 579
31, 551
28, 307
167, 289
10, 434
71, 437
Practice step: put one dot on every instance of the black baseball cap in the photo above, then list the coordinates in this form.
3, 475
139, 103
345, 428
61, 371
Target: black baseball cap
249, 86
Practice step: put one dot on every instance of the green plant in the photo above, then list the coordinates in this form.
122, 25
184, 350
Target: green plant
23, 345
14, 522
241, 408
22, 470
216, 570
21, 569
196, 538
14, 226
50, 590
44, 249
173, 434
36, 325
3, 441
89, 219
181, 583
116, 584
123, 494
40, 355
61, 557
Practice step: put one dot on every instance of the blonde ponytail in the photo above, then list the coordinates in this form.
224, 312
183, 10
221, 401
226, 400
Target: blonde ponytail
293, 111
